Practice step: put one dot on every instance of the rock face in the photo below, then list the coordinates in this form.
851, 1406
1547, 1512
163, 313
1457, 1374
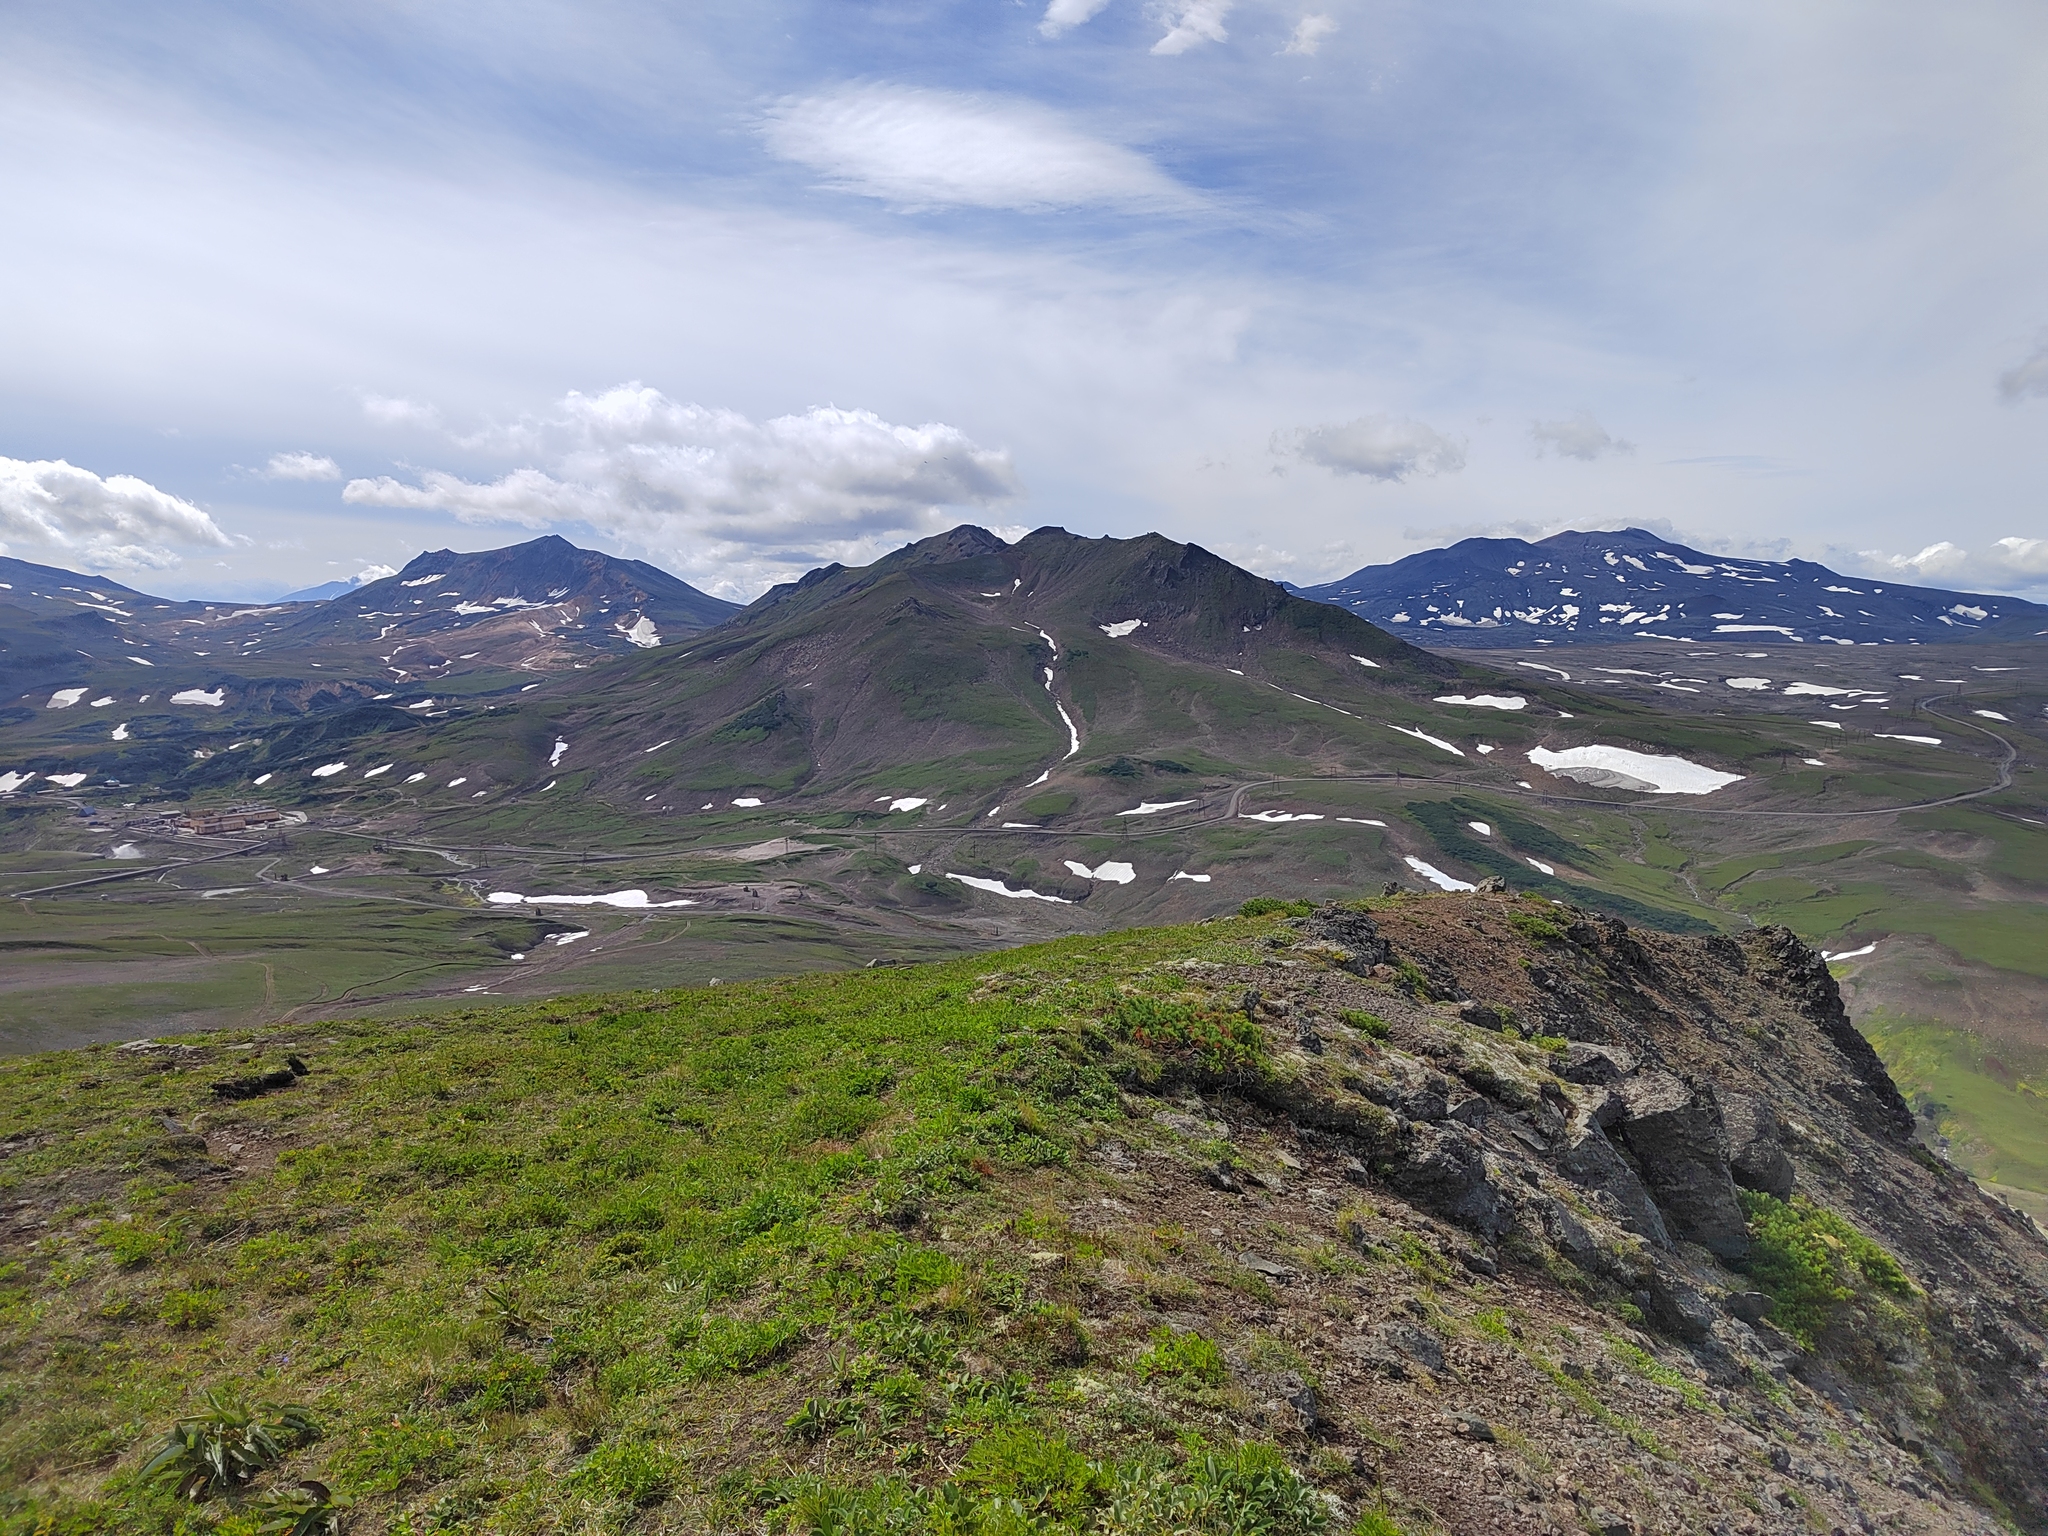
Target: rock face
1673, 1130
1694, 1068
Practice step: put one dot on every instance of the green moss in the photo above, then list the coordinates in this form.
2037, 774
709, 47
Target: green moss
1182, 1357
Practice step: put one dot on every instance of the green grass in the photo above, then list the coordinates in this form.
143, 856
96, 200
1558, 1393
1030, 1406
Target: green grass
1990, 1099
542, 1265
1816, 1267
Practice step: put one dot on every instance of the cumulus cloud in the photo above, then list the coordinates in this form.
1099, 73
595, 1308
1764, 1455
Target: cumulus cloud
1189, 23
373, 572
300, 466
2027, 377
1065, 15
1378, 447
1578, 436
119, 523
737, 501
392, 411
921, 148
1309, 33
2010, 564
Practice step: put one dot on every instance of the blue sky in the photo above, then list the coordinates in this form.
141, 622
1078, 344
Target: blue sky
300, 290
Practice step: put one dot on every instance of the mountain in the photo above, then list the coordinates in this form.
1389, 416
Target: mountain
1597, 588
321, 593
1465, 1214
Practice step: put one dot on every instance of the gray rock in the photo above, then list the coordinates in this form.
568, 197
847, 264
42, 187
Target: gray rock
1404, 1339
1674, 1131
1756, 1145
1751, 1306
1596, 1064
1589, 1160
1443, 1172
1679, 1309
1350, 928
1469, 1426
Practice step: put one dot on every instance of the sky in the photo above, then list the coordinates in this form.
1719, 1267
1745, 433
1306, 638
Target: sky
295, 292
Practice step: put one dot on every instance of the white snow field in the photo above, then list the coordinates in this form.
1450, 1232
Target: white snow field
641, 634
1990, 714
748, 802
124, 851
1485, 700
68, 780
636, 900
1833, 725
265, 778
1118, 874
64, 698
1121, 628
1283, 816
997, 888
1362, 821
328, 770
1750, 684
1850, 954
564, 940
1924, 741
555, 756
1619, 768
374, 772
1481, 828
1538, 864
1363, 662
213, 699
121, 731
1817, 690
906, 803
10, 781
1154, 807
1437, 877
1181, 874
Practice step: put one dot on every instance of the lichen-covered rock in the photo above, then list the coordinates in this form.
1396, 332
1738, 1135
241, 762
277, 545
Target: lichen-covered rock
1589, 1160
1443, 1171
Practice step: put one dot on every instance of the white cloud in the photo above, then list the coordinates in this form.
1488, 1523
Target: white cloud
1309, 33
2028, 376
119, 523
937, 149
300, 466
2010, 564
1378, 447
1577, 437
1190, 23
1064, 15
373, 572
390, 411
734, 502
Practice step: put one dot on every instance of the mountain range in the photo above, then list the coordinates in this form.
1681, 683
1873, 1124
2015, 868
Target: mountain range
1600, 588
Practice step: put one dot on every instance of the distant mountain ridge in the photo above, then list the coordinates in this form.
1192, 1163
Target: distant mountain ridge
1597, 588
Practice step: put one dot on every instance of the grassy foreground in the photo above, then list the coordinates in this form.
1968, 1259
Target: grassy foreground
778, 1255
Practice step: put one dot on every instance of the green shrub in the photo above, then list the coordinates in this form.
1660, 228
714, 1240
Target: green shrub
131, 1244
1539, 926
1042, 1473
1811, 1263
1370, 1024
737, 1347
1219, 1044
1183, 1357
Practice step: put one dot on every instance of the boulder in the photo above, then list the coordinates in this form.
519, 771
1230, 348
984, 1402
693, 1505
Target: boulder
1596, 1064
1589, 1160
1442, 1171
1351, 928
1673, 1130
1756, 1145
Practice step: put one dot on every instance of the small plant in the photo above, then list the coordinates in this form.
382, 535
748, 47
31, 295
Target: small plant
305, 1509
631, 1471
1368, 1024
1539, 926
1811, 1263
190, 1311
132, 1244
819, 1418
1183, 1357
227, 1446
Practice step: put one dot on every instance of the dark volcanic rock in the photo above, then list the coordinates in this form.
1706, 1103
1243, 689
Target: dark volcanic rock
1756, 1146
1673, 1129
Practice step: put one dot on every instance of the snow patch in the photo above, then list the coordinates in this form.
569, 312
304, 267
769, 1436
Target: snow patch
1849, 954
68, 780
1437, 877
1121, 628
1363, 662
1181, 874
425, 581
634, 899
422, 704
319, 869
918, 869
1118, 874
265, 778
64, 698
1284, 816
997, 888
121, 731
1154, 807
1748, 684
1538, 864
1753, 629
642, 633
564, 940
1816, 690
124, 851
414, 779
10, 781
1925, 741
1434, 741
329, 770
1481, 828
384, 768
905, 803
103, 703
1619, 768
212, 700
555, 756
1990, 714
1485, 700
1362, 821
747, 801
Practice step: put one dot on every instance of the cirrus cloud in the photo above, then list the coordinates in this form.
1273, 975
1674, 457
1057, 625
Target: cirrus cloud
736, 503
2028, 377
117, 523
1309, 33
918, 148
1378, 447
1190, 23
1065, 15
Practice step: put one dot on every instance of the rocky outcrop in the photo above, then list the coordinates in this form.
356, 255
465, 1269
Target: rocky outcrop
1673, 1131
1756, 1145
